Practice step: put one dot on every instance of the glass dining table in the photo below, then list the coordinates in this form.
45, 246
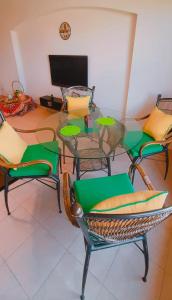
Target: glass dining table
90, 135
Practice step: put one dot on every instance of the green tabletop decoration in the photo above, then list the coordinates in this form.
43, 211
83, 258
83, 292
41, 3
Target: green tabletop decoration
106, 121
70, 130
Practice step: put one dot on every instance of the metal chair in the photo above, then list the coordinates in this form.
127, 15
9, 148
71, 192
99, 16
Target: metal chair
148, 146
37, 163
77, 91
101, 231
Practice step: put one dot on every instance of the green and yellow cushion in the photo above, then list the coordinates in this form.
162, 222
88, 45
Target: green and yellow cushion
136, 202
12, 147
158, 124
46, 151
90, 192
130, 140
77, 103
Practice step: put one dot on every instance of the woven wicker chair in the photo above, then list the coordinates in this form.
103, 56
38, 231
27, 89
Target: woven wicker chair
102, 231
148, 146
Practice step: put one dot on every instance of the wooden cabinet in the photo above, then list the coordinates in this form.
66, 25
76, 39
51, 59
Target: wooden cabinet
51, 102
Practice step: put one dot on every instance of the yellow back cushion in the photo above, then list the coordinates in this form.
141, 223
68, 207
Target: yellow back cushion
131, 203
158, 124
77, 103
12, 147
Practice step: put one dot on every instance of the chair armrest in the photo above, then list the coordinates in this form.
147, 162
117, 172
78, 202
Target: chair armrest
72, 208
141, 118
5, 164
165, 142
138, 118
145, 177
37, 129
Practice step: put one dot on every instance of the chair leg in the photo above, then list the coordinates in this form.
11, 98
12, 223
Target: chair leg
133, 168
74, 165
64, 153
113, 157
6, 193
146, 256
108, 166
77, 169
130, 172
60, 164
133, 174
58, 195
166, 163
85, 272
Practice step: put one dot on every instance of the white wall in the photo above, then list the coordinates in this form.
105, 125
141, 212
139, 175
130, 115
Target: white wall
105, 38
151, 70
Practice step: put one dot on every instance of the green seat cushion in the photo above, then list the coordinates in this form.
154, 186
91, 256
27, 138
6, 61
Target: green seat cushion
130, 141
35, 152
90, 192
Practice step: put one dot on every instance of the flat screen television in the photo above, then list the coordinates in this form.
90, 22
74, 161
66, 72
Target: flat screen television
69, 70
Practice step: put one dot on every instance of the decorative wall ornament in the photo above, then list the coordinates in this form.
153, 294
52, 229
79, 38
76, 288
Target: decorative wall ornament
65, 30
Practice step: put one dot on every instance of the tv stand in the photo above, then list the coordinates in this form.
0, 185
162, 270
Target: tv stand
51, 102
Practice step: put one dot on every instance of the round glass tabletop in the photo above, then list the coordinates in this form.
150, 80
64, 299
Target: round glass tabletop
91, 133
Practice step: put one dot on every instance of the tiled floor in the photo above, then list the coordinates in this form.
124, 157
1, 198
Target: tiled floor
42, 255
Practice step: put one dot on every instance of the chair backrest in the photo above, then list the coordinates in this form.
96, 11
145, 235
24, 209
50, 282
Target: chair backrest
77, 91
164, 104
110, 227
117, 228
12, 146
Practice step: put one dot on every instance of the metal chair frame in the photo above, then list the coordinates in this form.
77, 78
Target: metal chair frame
5, 166
79, 91
102, 231
165, 143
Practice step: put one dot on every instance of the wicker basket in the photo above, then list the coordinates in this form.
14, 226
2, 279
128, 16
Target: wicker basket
17, 87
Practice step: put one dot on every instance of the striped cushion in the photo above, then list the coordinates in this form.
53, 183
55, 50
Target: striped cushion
131, 203
92, 191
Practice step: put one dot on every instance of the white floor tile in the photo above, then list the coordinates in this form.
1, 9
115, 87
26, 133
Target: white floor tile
104, 294
10, 289
1, 261
124, 280
65, 282
61, 228
19, 195
42, 204
14, 229
100, 261
35, 259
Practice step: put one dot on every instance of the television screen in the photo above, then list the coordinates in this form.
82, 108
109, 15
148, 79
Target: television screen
69, 70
